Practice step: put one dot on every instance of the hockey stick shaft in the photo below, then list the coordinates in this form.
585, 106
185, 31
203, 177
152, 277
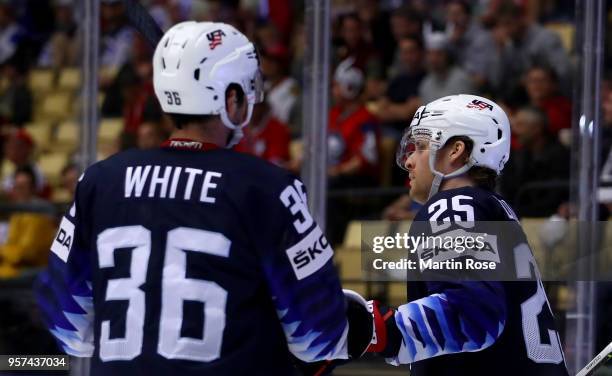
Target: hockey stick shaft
140, 18
599, 360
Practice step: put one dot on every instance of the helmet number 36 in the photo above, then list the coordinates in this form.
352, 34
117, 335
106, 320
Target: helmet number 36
173, 98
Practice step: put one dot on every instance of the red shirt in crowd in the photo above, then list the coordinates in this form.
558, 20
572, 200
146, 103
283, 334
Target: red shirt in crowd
269, 141
134, 108
558, 110
355, 134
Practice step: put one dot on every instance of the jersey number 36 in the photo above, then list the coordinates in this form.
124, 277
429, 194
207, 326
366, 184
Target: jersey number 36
175, 289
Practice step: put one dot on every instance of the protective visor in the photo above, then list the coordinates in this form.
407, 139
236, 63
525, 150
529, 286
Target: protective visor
412, 141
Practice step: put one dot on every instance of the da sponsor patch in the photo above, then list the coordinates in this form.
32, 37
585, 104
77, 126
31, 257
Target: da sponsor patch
63, 240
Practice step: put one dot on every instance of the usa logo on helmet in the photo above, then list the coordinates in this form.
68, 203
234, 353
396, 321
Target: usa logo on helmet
215, 38
480, 105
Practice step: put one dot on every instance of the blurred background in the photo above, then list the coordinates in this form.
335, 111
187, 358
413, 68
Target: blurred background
386, 58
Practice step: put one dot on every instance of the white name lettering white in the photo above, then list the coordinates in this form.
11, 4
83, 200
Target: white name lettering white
171, 182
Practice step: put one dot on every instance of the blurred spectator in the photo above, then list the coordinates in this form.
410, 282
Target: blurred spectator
266, 137
460, 28
70, 178
377, 28
116, 35
122, 142
513, 46
405, 22
407, 80
560, 11
267, 37
64, 194
364, 54
298, 46
541, 84
140, 103
353, 132
160, 11
463, 33
18, 151
29, 233
115, 90
131, 93
444, 77
541, 159
16, 97
401, 100
216, 11
283, 92
10, 33
150, 136
280, 14
352, 145
24, 185
550, 10
432, 12
62, 48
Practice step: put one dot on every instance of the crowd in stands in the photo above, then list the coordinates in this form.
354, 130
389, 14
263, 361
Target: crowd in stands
388, 58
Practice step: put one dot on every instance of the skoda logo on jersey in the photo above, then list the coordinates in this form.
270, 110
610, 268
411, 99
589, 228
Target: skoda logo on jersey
305, 256
309, 254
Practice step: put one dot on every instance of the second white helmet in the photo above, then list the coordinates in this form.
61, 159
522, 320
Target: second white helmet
478, 118
350, 78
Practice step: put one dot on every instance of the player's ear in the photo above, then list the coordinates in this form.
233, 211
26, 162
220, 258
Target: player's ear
457, 151
236, 104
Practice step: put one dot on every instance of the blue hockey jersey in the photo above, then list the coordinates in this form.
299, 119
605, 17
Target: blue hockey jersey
175, 261
478, 327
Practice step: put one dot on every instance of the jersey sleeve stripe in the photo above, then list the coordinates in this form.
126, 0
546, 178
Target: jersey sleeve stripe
450, 322
67, 307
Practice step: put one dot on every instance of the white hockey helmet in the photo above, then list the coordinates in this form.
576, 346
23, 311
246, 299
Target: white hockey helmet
478, 118
349, 77
195, 62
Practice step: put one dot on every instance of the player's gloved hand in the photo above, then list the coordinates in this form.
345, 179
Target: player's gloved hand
361, 326
384, 336
387, 337
360, 331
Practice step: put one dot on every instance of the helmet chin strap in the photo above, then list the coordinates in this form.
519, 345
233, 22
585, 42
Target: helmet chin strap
237, 132
438, 176
237, 135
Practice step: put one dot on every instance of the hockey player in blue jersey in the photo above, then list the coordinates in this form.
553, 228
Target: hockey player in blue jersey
453, 151
193, 259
